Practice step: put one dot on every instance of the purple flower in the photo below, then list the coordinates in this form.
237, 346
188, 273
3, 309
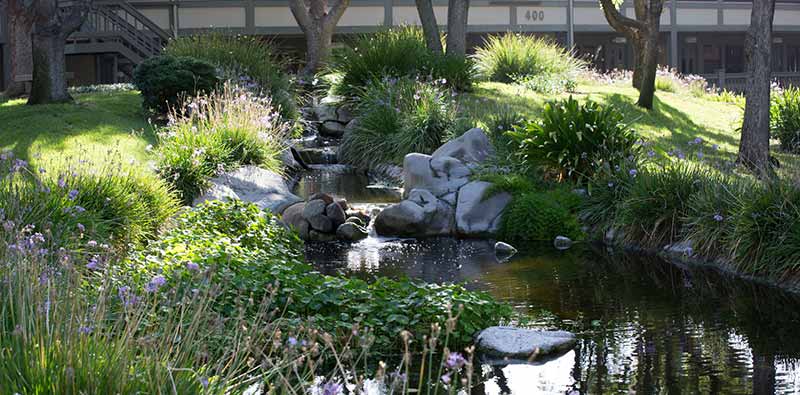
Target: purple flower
155, 283
94, 263
455, 360
81, 228
85, 330
446, 378
700, 155
715, 147
718, 217
633, 172
292, 341
192, 266
651, 153
91, 244
331, 388
204, 382
72, 194
62, 182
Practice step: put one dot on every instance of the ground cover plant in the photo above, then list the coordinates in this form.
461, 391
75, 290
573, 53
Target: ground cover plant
397, 117
395, 53
242, 58
212, 133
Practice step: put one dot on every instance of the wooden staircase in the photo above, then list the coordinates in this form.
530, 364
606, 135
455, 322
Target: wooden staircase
116, 27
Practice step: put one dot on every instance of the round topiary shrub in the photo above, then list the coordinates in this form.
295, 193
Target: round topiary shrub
164, 80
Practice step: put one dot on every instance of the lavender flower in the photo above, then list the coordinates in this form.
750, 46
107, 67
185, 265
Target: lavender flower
633, 172
331, 388
155, 283
455, 360
192, 266
718, 217
85, 330
73, 194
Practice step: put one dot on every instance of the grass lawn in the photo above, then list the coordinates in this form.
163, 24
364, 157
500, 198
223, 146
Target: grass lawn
89, 128
677, 118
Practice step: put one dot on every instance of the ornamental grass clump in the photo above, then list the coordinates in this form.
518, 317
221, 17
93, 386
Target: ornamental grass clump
213, 133
397, 117
395, 53
514, 57
785, 118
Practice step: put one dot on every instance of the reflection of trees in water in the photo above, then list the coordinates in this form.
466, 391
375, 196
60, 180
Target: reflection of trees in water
665, 329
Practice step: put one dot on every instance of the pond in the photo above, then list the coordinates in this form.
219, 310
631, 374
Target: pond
644, 325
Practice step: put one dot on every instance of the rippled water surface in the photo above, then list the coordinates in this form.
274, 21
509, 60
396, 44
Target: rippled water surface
645, 326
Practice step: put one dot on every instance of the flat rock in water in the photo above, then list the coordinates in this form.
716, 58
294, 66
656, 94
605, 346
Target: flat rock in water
504, 342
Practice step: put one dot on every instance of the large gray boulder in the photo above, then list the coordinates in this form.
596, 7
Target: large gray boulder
440, 176
265, 188
477, 215
421, 215
473, 147
503, 342
351, 232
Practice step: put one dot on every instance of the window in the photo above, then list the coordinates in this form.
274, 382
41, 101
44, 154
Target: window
734, 59
712, 58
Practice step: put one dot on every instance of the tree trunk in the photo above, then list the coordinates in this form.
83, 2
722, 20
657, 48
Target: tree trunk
19, 32
639, 61
430, 27
49, 69
457, 14
647, 71
318, 48
754, 144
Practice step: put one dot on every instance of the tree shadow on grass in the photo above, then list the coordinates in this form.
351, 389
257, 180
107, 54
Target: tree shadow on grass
680, 127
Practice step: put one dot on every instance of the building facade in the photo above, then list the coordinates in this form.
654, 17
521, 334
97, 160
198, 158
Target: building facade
699, 37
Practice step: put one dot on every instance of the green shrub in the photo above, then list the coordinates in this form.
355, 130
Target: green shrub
511, 56
397, 117
395, 53
546, 83
107, 203
164, 80
709, 212
242, 57
541, 216
785, 119
575, 140
219, 132
235, 243
607, 190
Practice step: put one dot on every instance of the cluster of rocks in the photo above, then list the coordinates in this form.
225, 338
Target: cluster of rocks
333, 118
440, 198
322, 218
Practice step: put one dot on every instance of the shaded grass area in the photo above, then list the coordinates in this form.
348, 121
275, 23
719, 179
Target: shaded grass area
93, 125
676, 119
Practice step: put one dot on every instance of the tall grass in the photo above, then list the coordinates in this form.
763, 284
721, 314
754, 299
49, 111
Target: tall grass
245, 58
397, 117
397, 52
510, 56
217, 132
80, 199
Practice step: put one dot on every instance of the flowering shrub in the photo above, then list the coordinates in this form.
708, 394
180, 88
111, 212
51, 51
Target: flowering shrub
575, 140
395, 53
785, 118
237, 244
242, 57
106, 203
397, 117
217, 132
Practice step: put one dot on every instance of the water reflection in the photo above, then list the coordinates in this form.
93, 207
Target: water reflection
345, 182
645, 326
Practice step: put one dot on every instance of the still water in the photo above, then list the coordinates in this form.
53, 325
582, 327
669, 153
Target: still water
645, 325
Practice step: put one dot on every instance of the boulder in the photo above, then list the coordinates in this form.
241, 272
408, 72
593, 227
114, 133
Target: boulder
522, 344
562, 243
322, 196
421, 215
321, 223
351, 231
265, 188
471, 148
343, 204
293, 216
303, 230
335, 213
314, 235
364, 217
477, 215
421, 172
314, 208
332, 129
355, 220
344, 115
326, 112
504, 250
682, 249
